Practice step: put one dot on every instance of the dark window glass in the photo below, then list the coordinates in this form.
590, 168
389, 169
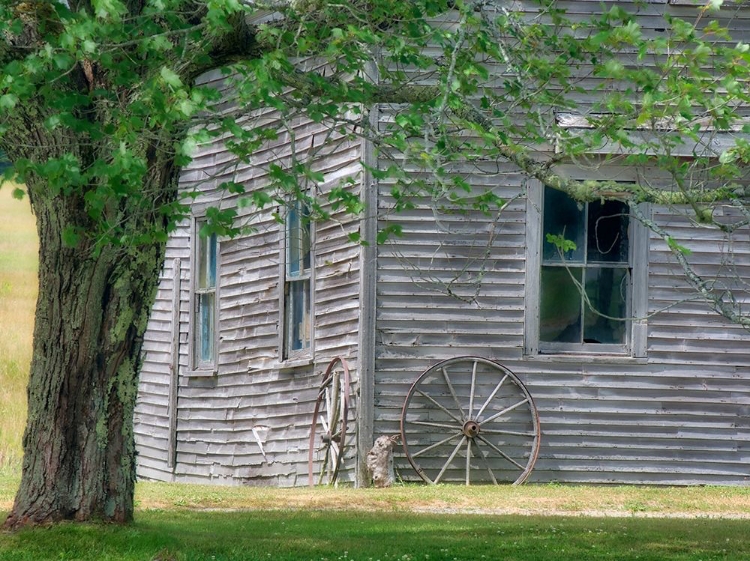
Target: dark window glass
607, 232
563, 217
560, 312
207, 306
598, 266
606, 289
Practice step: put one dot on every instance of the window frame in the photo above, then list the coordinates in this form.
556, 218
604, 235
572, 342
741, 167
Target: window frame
198, 366
287, 279
635, 344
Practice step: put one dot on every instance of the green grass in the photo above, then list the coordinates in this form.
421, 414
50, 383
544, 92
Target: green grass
18, 290
326, 535
194, 522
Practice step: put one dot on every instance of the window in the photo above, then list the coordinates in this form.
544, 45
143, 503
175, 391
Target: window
205, 269
584, 298
297, 295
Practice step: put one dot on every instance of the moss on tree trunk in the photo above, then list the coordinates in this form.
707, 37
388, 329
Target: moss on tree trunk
79, 453
92, 310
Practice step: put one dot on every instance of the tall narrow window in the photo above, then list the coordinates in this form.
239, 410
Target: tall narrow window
586, 291
297, 302
205, 301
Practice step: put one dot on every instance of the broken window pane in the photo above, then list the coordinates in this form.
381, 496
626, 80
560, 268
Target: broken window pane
599, 263
607, 290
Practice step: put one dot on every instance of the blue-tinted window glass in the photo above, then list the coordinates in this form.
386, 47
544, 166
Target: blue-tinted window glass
297, 239
298, 316
205, 343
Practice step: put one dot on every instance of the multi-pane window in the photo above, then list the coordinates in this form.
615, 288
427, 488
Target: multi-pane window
297, 302
586, 291
204, 290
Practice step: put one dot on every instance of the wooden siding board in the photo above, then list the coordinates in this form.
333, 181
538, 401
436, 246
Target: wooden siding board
665, 418
215, 419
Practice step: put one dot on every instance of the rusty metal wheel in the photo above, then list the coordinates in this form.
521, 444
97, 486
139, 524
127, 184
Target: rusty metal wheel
328, 438
470, 420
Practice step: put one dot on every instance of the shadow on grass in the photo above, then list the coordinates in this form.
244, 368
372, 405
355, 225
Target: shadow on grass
318, 535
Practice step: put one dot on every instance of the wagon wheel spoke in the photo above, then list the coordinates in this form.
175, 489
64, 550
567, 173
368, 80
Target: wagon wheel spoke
503, 454
433, 446
505, 411
328, 430
453, 393
450, 459
486, 463
437, 425
508, 432
439, 406
492, 395
470, 420
471, 391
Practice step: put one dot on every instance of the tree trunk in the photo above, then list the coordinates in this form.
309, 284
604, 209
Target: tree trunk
79, 453
92, 310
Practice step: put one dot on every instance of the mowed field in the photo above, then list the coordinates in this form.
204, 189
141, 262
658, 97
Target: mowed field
18, 290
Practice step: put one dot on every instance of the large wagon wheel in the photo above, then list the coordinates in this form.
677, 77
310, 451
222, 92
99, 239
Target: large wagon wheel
328, 429
470, 419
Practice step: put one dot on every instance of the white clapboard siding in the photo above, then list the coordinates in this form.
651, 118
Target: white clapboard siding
250, 423
452, 284
679, 416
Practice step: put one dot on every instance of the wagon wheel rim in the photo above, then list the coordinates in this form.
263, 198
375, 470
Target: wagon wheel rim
470, 419
328, 436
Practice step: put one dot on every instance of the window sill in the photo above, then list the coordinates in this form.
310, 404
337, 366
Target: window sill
586, 358
201, 373
295, 363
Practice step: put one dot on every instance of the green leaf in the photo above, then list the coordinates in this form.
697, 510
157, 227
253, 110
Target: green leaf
8, 101
728, 156
170, 77
561, 243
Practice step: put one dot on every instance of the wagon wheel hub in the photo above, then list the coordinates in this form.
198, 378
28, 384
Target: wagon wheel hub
471, 428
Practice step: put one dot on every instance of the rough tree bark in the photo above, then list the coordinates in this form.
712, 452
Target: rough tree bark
95, 295
92, 310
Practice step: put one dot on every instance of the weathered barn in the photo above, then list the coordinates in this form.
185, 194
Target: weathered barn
243, 329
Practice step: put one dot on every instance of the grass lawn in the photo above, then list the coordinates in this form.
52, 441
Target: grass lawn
443, 523
328, 535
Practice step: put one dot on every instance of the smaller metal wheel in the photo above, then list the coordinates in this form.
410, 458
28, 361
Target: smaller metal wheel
328, 429
470, 420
